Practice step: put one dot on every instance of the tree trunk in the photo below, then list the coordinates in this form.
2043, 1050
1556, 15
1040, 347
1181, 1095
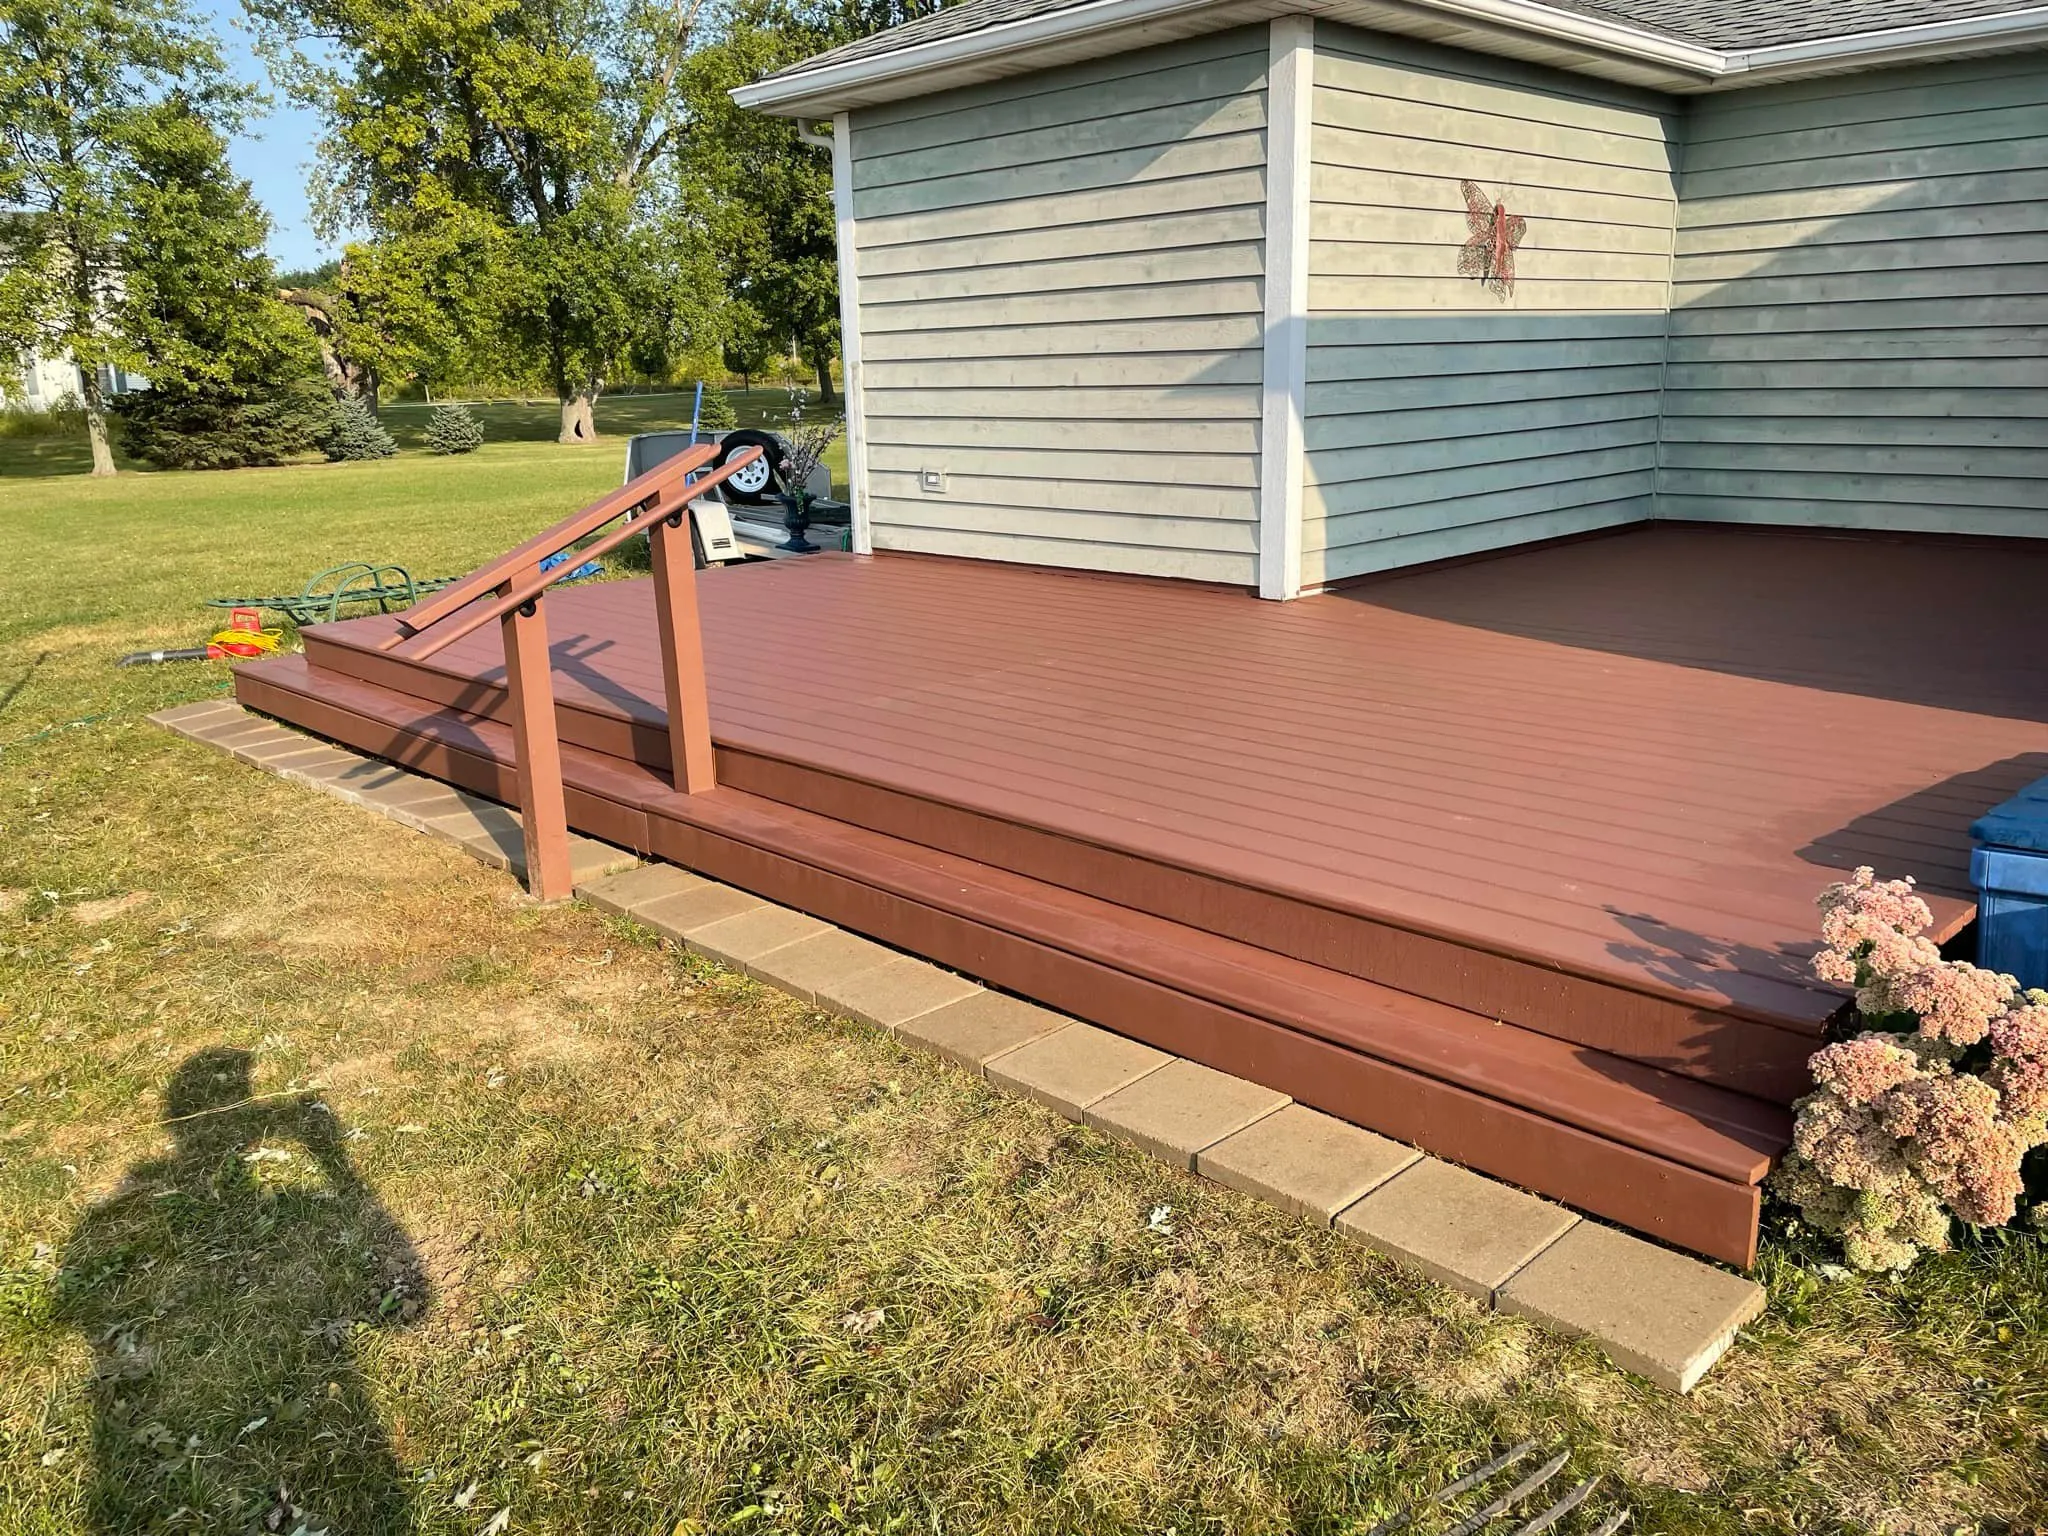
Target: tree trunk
579, 423
822, 361
96, 422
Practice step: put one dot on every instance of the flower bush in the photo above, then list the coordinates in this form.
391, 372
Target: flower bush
1926, 1117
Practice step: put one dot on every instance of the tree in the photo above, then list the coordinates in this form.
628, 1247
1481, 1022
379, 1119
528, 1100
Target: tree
454, 429
354, 432
767, 193
83, 85
501, 154
227, 361
748, 349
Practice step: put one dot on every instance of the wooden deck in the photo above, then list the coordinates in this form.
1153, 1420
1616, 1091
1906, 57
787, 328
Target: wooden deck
1514, 859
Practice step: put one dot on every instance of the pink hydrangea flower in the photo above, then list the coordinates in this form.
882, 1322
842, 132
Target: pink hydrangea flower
2023, 1031
1895, 1140
1863, 1069
1954, 1000
1847, 1145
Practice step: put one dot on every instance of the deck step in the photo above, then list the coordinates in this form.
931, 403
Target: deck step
1665, 1153
1755, 1044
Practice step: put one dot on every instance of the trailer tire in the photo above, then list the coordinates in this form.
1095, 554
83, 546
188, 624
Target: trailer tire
756, 484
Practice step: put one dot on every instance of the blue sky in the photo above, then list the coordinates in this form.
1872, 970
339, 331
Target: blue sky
275, 151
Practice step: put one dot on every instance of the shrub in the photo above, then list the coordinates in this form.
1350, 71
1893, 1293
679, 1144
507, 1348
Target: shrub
1927, 1116
454, 429
222, 427
716, 413
354, 432
63, 417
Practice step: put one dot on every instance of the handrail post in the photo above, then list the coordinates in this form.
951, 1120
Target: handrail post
681, 636
543, 811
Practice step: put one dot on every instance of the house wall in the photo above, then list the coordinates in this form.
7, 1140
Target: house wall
1061, 305
1859, 335
39, 382
1442, 420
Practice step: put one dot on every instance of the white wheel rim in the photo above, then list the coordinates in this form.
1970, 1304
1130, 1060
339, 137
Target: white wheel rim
751, 478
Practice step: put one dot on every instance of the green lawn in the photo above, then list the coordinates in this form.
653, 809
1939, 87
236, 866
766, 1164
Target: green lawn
532, 1215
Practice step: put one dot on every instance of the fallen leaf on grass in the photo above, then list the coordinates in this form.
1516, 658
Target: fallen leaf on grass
463, 1499
861, 1324
498, 1522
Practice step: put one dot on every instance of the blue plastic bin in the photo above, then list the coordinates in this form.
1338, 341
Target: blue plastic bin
2011, 875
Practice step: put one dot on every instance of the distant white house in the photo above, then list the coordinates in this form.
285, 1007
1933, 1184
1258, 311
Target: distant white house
39, 383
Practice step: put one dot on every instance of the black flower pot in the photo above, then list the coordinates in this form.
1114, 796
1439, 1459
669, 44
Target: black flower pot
796, 518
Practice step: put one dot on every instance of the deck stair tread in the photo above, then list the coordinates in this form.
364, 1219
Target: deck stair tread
1728, 1136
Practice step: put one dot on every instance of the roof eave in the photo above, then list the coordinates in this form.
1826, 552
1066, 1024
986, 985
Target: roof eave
822, 91
818, 91
2010, 31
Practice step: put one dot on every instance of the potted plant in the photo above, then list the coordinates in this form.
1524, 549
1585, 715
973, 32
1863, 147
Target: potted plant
804, 444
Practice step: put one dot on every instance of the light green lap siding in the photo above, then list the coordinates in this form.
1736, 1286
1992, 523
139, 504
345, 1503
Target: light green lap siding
1859, 335
1061, 283
1442, 420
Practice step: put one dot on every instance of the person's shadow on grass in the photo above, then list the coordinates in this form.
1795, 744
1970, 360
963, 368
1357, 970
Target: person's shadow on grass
222, 1290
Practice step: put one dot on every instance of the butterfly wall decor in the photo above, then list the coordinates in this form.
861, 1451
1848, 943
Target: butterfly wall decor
1489, 252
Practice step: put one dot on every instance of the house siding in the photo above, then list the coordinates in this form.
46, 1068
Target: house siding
1061, 311
1441, 420
1859, 335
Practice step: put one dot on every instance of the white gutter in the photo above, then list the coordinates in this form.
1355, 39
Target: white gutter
983, 42
1897, 45
1611, 37
2012, 29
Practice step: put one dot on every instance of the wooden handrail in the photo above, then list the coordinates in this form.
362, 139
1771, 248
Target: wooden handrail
661, 497
640, 488
517, 594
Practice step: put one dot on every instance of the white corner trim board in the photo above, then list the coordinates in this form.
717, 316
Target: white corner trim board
1290, 98
851, 382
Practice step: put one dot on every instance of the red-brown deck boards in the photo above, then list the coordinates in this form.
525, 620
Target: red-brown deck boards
1662, 1153
1589, 789
1608, 816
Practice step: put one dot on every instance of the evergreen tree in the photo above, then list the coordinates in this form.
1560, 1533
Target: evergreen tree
715, 412
353, 432
233, 372
83, 86
454, 429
